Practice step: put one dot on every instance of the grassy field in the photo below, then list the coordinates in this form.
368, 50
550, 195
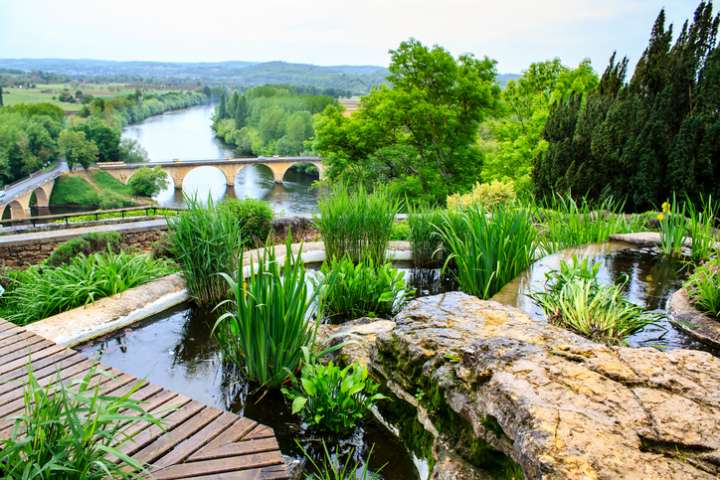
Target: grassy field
92, 190
50, 92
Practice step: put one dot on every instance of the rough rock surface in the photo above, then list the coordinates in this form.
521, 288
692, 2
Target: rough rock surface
358, 334
696, 323
561, 406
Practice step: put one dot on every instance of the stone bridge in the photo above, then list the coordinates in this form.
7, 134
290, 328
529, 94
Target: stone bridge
16, 199
179, 169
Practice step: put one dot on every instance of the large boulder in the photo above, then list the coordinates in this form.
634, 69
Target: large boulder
499, 386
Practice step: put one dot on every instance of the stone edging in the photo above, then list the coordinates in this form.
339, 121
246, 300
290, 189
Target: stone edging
683, 314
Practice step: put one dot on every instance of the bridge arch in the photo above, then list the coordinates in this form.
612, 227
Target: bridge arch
307, 167
252, 174
14, 211
41, 198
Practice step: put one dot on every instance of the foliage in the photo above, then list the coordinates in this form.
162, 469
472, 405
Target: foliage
356, 224
41, 291
269, 318
566, 222
268, 120
103, 135
254, 217
575, 300
132, 152
348, 290
331, 399
205, 241
638, 140
672, 228
703, 287
400, 231
425, 240
488, 250
73, 432
147, 181
513, 138
417, 137
332, 467
486, 195
85, 244
77, 149
701, 227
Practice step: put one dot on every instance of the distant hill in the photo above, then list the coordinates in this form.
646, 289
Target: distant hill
356, 80
504, 78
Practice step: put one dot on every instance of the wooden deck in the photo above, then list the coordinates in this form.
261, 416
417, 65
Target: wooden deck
196, 441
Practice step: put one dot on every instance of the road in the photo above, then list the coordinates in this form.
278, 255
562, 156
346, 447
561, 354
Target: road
12, 191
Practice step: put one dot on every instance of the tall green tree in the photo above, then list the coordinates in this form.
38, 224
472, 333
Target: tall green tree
77, 149
429, 115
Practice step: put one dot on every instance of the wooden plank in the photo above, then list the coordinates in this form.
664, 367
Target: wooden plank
21, 380
21, 337
9, 364
238, 448
246, 462
238, 431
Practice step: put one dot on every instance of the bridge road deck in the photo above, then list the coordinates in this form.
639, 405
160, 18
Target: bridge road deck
196, 442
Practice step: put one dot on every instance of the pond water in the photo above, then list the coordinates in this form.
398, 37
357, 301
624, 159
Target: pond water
187, 135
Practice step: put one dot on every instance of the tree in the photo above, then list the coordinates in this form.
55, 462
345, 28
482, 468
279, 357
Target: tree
131, 151
77, 149
430, 113
104, 136
147, 181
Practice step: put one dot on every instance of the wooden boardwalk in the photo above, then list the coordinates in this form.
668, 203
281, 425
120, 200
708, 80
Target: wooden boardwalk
196, 441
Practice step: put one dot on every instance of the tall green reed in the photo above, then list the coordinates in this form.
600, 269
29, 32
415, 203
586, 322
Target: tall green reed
703, 287
425, 240
673, 228
41, 291
270, 317
73, 431
205, 240
701, 227
356, 223
488, 249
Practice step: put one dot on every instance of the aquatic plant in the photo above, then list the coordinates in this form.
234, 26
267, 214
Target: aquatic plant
565, 222
349, 290
672, 228
332, 467
425, 240
703, 287
41, 291
88, 243
575, 299
331, 399
356, 223
73, 431
488, 250
701, 228
254, 217
205, 240
270, 317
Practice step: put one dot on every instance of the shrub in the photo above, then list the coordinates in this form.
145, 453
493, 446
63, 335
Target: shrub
41, 291
488, 249
487, 195
254, 217
205, 241
72, 432
575, 300
331, 399
356, 224
86, 244
147, 181
672, 228
269, 319
703, 287
425, 240
349, 291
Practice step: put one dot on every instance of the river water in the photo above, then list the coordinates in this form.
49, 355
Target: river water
187, 135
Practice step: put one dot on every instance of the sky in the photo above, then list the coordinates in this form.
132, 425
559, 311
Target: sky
330, 32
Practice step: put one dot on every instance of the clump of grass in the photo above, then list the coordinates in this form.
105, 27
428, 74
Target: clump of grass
41, 291
333, 467
701, 227
356, 224
205, 240
71, 432
703, 287
488, 249
349, 290
672, 228
254, 217
88, 243
425, 239
566, 223
269, 319
575, 299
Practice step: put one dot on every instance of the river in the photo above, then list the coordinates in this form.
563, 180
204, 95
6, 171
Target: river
187, 135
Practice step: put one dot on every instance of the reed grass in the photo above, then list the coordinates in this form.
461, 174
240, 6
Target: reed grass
356, 224
701, 227
205, 240
703, 287
269, 319
348, 290
488, 249
41, 291
73, 432
425, 240
673, 228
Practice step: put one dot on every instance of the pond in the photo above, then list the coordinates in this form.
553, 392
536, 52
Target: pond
187, 135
